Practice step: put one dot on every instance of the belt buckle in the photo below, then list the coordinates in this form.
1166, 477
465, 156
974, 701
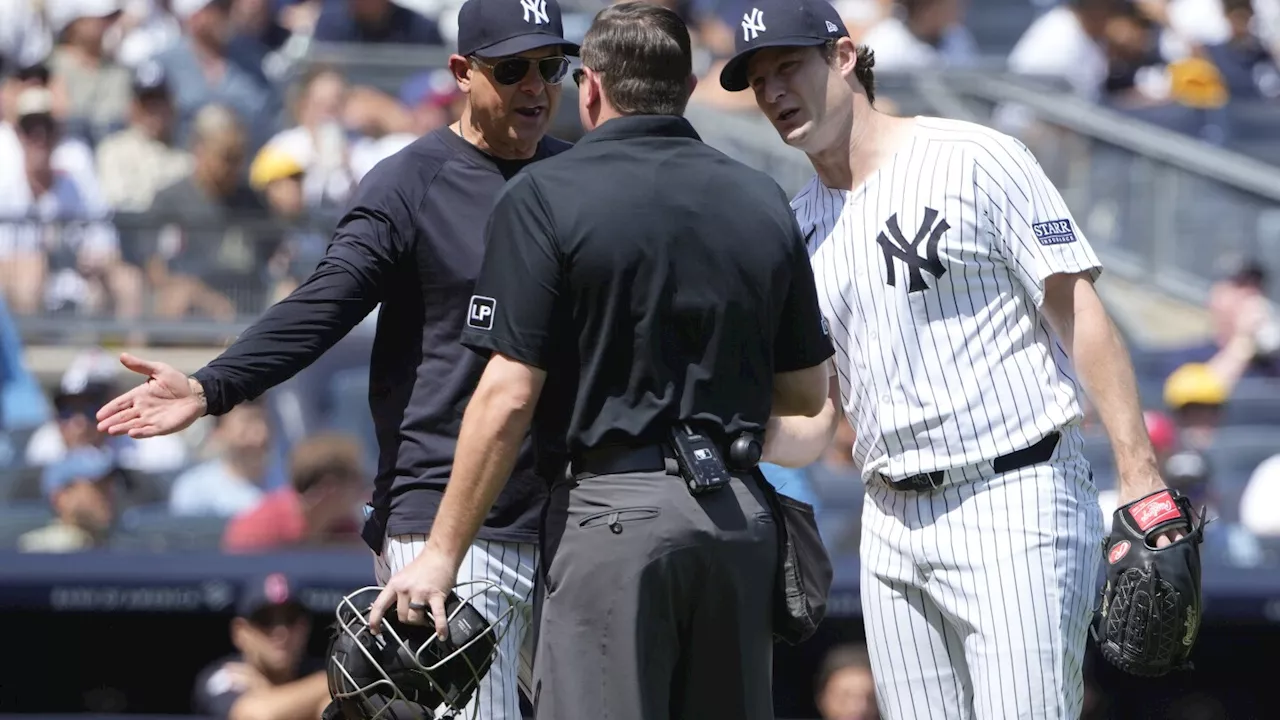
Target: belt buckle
919, 482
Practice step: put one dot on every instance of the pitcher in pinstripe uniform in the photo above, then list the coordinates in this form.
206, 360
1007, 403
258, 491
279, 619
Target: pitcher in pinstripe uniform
959, 291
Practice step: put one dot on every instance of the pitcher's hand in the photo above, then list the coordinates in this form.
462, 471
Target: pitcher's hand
166, 403
1134, 489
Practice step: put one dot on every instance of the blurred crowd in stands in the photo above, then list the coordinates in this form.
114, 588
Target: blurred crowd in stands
180, 159
177, 158
230, 481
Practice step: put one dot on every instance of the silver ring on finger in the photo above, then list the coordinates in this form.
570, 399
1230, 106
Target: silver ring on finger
417, 606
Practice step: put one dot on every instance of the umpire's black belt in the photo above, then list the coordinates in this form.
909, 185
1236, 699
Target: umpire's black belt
624, 460
1018, 459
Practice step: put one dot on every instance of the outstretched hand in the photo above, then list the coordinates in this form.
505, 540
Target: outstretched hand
165, 403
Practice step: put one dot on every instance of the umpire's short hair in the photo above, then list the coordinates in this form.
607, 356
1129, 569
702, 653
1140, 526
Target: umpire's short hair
642, 54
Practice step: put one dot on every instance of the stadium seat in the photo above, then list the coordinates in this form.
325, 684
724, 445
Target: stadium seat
1254, 402
153, 528
1250, 128
999, 24
22, 484
1270, 550
349, 410
20, 517
1236, 452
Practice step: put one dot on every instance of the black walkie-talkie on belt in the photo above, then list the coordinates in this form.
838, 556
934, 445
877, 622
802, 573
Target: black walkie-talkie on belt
701, 465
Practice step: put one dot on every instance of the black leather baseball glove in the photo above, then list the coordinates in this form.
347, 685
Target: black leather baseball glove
1150, 612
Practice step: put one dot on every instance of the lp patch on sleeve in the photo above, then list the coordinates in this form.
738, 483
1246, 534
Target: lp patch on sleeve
1054, 232
480, 314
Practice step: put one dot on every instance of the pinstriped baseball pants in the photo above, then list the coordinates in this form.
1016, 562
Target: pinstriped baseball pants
510, 565
977, 596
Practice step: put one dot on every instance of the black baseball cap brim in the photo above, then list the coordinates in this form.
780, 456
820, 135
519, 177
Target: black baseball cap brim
733, 77
525, 43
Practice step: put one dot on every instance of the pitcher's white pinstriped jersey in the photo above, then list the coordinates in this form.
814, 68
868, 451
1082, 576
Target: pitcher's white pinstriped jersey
929, 274
977, 591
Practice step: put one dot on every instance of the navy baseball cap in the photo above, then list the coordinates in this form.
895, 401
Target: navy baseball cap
498, 28
267, 591
779, 23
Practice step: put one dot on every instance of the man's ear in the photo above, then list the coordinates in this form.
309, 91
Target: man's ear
461, 69
591, 86
693, 83
846, 57
238, 628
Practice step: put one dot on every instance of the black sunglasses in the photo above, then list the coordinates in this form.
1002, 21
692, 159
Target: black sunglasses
509, 71
578, 74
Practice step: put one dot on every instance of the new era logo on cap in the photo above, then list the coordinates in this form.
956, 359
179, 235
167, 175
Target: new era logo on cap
480, 314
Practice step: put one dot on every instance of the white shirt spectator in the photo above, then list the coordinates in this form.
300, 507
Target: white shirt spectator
1057, 46
154, 455
72, 198
25, 40
897, 49
1203, 22
861, 13
1257, 503
367, 152
211, 488
72, 156
154, 29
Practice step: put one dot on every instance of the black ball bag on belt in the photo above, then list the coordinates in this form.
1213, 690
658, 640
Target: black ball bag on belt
804, 568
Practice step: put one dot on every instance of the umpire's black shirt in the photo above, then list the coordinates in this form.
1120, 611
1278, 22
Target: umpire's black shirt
654, 279
412, 240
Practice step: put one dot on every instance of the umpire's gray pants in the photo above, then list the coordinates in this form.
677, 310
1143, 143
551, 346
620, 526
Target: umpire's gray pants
656, 605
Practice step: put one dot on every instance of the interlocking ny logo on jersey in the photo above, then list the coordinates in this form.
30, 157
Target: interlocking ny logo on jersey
535, 11
752, 24
480, 314
895, 245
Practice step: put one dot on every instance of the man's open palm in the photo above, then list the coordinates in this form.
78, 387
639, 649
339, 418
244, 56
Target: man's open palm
165, 403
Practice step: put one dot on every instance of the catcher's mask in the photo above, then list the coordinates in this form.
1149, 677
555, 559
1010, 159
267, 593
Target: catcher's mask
407, 672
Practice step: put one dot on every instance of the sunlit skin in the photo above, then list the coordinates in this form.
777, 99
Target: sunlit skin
810, 99
506, 121
810, 106
273, 642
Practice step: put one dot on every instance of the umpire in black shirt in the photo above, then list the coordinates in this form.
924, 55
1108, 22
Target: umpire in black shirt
412, 241
645, 301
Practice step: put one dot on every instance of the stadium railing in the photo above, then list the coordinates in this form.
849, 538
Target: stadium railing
210, 581
1162, 206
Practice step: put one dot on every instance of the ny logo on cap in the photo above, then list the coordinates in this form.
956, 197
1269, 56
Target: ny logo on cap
752, 25
535, 11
